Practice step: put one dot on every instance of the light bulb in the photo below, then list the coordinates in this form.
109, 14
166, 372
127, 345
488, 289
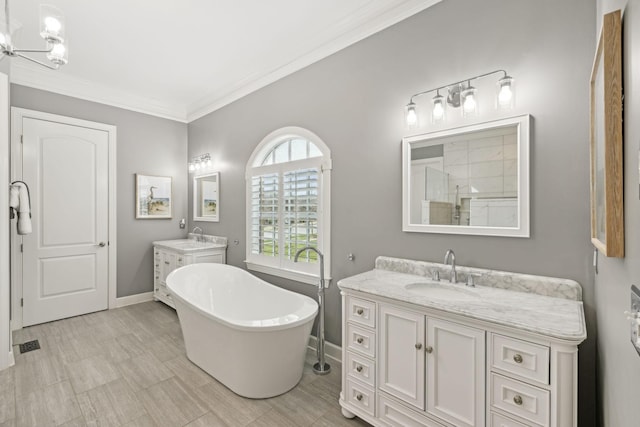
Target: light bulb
198, 165
58, 54
52, 25
191, 167
469, 104
505, 93
411, 116
209, 163
437, 115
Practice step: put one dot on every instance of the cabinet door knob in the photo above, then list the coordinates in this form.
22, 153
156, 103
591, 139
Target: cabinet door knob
359, 340
102, 244
358, 397
359, 368
166, 262
428, 349
418, 346
517, 358
359, 311
517, 399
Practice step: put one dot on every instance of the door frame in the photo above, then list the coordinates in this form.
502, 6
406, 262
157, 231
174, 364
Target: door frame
17, 116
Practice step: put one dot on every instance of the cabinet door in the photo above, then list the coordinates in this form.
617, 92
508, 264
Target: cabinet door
401, 367
455, 373
167, 265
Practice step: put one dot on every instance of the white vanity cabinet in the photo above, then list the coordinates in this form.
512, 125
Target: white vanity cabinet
171, 254
422, 352
409, 365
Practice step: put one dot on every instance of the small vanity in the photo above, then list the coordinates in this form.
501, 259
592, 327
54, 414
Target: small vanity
418, 351
171, 254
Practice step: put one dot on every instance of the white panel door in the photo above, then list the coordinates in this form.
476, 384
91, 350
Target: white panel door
455, 373
65, 260
401, 367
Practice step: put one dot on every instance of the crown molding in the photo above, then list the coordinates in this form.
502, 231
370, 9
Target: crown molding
370, 22
26, 74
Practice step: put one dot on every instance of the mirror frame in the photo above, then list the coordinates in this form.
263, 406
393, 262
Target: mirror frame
196, 201
522, 230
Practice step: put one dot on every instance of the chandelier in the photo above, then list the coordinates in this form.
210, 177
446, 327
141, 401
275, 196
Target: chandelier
51, 30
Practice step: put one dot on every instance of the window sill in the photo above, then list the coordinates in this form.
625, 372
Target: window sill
311, 279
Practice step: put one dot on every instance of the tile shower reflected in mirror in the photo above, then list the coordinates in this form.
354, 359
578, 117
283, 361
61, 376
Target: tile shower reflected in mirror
467, 179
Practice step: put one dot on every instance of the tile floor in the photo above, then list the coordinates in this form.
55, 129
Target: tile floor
128, 367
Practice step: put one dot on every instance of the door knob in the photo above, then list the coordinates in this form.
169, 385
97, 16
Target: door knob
102, 244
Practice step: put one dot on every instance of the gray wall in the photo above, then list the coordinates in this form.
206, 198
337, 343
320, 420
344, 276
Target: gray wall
354, 100
146, 144
618, 362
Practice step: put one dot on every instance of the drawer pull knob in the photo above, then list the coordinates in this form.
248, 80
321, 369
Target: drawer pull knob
428, 349
359, 311
517, 358
358, 397
359, 340
359, 368
517, 399
179, 259
418, 346
166, 262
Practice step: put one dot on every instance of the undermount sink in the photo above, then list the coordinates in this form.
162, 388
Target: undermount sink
441, 291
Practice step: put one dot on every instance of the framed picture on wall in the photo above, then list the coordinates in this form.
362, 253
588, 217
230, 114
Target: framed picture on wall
153, 197
607, 208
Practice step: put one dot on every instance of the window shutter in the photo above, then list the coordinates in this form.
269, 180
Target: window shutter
264, 214
300, 216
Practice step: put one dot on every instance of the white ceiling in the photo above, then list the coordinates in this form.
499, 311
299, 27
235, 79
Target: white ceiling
182, 59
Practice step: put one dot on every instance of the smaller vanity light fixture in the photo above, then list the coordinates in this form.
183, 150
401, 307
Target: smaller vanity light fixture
461, 94
200, 162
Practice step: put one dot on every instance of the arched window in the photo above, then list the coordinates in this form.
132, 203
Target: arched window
288, 192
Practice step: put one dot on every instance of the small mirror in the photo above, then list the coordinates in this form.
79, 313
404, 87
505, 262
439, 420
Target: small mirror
468, 180
206, 197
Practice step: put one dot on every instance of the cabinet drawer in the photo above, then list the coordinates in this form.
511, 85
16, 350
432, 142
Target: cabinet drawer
521, 358
525, 401
361, 311
397, 415
361, 340
361, 396
361, 368
498, 420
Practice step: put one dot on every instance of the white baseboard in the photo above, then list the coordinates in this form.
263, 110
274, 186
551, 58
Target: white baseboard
331, 351
134, 299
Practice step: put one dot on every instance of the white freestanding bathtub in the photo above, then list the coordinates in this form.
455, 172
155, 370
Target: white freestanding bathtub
248, 334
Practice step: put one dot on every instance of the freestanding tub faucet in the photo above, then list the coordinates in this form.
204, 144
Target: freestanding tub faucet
320, 368
453, 277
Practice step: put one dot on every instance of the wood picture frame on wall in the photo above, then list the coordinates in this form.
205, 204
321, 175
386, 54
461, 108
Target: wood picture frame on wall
607, 204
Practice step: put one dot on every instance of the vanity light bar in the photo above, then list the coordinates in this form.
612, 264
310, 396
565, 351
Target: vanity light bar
461, 93
200, 162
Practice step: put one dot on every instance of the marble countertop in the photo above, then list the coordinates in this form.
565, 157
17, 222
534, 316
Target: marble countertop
556, 317
190, 244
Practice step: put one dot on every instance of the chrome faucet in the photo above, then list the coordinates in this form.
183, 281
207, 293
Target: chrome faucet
453, 277
320, 368
199, 238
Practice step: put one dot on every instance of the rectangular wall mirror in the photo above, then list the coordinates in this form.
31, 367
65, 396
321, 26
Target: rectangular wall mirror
468, 180
206, 197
